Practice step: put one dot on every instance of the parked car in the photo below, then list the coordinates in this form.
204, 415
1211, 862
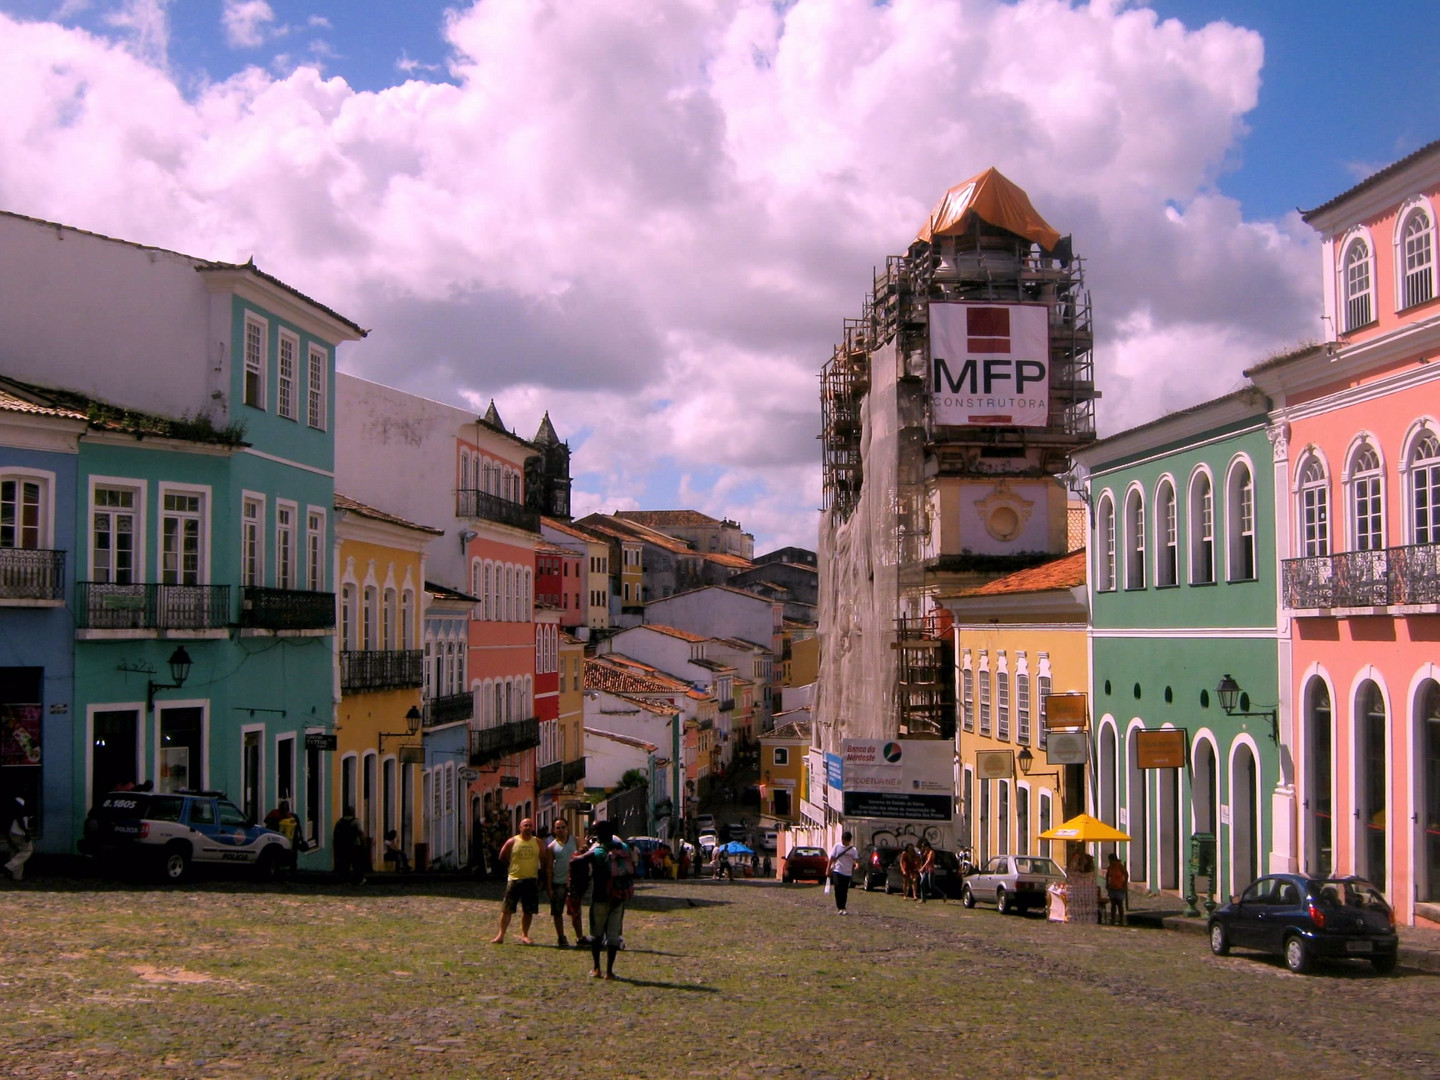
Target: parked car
169, 831
769, 839
877, 864
707, 842
1012, 882
805, 864
945, 879
738, 831
705, 823
1304, 919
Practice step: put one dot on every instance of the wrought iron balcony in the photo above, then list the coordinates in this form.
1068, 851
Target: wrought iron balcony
573, 772
1415, 574
1398, 575
381, 669
32, 574
549, 776
449, 708
107, 606
707, 723
727, 705
286, 609
489, 744
473, 503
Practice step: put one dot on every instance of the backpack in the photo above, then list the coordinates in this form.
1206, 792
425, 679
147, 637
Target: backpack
621, 866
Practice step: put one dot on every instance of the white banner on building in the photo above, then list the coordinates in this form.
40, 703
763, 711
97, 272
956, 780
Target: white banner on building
904, 779
990, 364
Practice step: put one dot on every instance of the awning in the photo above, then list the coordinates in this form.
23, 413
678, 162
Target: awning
1084, 828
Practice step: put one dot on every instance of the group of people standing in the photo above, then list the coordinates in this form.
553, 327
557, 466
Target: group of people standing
565, 870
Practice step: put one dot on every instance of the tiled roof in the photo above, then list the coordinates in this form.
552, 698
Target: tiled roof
671, 631
544, 548
208, 266
736, 562
658, 708
1373, 179
796, 729
13, 403
627, 740
630, 530
444, 592
1300, 352
661, 519
354, 506
570, 529
1067, 572
105, 417
618, 674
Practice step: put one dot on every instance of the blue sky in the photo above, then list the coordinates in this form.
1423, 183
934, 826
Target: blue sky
651, 219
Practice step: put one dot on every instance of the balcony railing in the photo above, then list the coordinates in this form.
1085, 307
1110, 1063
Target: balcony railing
488, 744
548, 776
108, 606
449, 709
472, 503
727, 705
707, 723
1399, 575
573, 772
381, 669
286, 609
32, 574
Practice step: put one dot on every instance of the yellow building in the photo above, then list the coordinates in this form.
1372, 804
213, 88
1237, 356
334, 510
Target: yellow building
570, 799
782, 767
800, 665
1019, 641
380, 578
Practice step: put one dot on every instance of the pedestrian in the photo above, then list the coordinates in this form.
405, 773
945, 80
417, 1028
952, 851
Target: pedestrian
395, 852
529, 861
1117, 886
840, 868
927, 869
612, 882
909, 872
289, 827
19, 838
351, 848
562, 850
580, 864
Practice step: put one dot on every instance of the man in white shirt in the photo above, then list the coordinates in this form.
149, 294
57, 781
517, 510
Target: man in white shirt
841, 868
562, 849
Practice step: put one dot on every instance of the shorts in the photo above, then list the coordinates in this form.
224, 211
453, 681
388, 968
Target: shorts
522, 892
572, 902
607, 920
1116, 894
558, 895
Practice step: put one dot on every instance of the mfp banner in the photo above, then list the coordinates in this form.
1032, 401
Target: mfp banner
990, 364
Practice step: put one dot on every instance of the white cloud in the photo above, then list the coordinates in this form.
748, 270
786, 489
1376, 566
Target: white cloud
652, 219
145, 28
247, 23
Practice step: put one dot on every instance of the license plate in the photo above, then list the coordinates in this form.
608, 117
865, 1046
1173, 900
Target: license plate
1359, 946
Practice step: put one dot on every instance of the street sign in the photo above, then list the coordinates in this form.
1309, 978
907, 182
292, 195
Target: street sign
509, 781
1162, 749
412, 755
469, 775
318, 740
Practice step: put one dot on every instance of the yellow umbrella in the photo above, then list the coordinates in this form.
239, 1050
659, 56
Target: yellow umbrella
1084, 829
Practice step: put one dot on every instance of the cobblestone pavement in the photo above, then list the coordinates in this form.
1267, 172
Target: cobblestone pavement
724, 980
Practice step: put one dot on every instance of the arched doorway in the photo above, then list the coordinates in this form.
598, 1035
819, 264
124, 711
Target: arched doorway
1244, 819
1428, 714
1137, 816
1109, 807
1168, 811
1203, 792
1319, 780
1373, 841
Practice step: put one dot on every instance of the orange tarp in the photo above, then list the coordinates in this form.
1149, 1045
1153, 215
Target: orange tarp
996, 201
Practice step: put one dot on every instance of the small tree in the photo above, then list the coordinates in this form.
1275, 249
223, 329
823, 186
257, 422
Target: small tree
634, 778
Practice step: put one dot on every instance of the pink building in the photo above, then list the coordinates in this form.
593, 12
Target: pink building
1356, 431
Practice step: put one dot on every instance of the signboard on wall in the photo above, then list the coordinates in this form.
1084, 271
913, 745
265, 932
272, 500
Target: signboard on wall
1067, 748
994, 764
901, 779
1065, 711
1163, 749
318, 740
990, 364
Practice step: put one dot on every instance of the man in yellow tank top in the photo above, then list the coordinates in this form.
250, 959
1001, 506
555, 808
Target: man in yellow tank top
529, 861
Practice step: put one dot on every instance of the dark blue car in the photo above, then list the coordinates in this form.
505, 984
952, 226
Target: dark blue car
1305, 919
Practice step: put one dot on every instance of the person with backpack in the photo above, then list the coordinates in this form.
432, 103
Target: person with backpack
1117, 888
612, 878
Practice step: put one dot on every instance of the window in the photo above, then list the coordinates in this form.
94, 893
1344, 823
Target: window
1134, 540
113, 535
388, 614
1425, 490
181, 522
315, 413
315, 551
285, 550
21, 523
1002, 701
1042, 688
967, 685
407, 619
1366, 510
1167, 561
1202, 530
1418, 252
782, 755
254, 389
1358, 308
1022, 701
984, 695
1106, 544
285, 402
367, 618
1240, 524
347, 617
252, 551
1314, 509
1022, 820
1045, 822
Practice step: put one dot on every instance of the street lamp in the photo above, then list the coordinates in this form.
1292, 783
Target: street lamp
1026, 761
179, 671
412, 724
1230, 696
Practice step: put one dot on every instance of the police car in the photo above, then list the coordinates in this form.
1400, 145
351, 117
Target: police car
173, 830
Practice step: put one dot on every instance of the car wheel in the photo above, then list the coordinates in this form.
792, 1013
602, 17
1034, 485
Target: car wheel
1384, 963
787, 879
176, 863
967, 897
888, 890
267, 866
1297, 955
867, 886
1219, 940
1002, 902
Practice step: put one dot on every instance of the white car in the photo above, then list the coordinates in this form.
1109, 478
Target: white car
769, 839
708, 840
705, 823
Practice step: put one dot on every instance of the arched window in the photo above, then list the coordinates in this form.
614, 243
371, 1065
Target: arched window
1367, 529
464, 470
1359, 310
407, 620
984, 694
1417, 252
347, 617
1105, 544
367, 618
1202, 530
1314, 509
1319, 767
1240, 523
1167, 568
1002, 700
1425, 490
389, 618
1134, 540
1370, 722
